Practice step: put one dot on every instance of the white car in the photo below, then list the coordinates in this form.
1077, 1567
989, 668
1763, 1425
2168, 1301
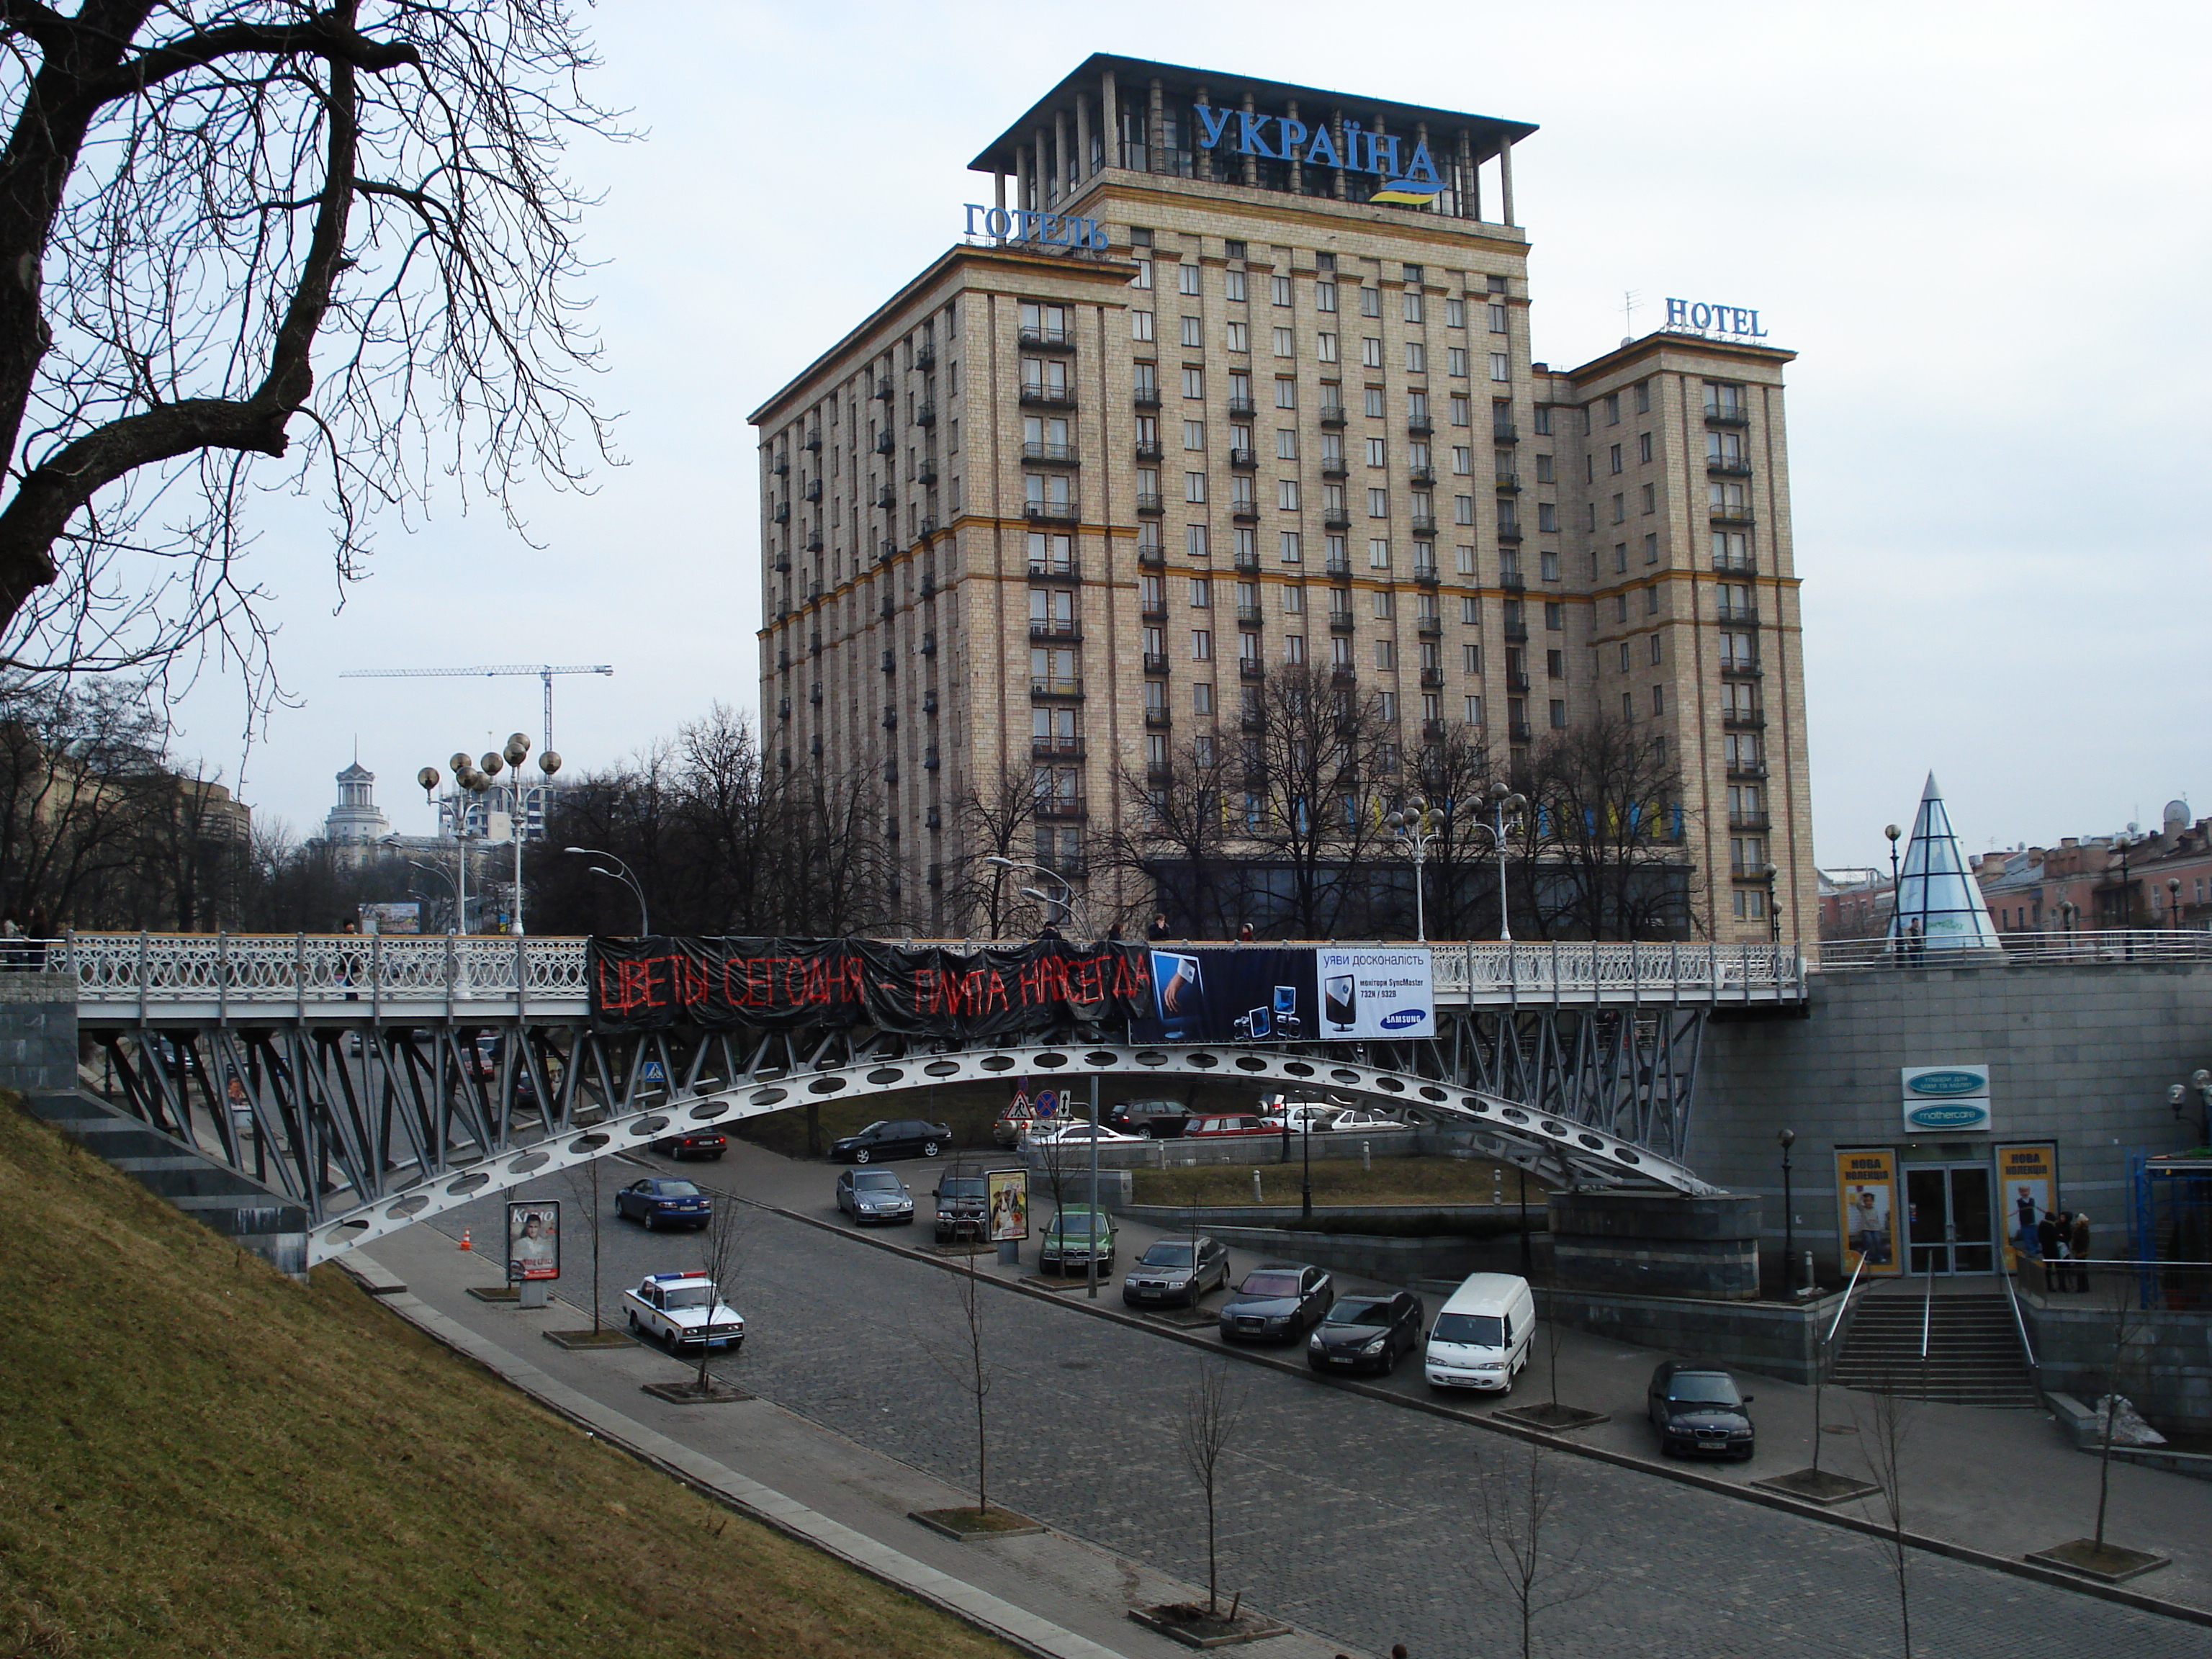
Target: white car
1301, 1115
1364, 1121
1077, 1134
683, 1310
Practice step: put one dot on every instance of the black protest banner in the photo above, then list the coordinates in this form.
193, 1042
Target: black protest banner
722, 984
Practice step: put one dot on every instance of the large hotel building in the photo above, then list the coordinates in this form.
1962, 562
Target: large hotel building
1228, 374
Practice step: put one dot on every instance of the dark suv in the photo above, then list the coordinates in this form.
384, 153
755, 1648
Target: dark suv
1155, 1120
898, 1137
961, 1201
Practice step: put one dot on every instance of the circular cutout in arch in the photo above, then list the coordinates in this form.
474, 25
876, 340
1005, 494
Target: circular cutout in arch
646, 1127
825, 1085
885, 1075
770, 1097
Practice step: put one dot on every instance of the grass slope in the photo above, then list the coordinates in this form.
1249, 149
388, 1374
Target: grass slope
199, 1456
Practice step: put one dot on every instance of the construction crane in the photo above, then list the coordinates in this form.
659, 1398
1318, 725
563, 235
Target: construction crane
545, 671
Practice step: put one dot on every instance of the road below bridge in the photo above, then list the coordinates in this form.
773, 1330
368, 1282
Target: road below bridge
1352, 1516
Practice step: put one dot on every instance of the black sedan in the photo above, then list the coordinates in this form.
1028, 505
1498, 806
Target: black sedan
1277, 1303
1698, 1412
898, 1137
1176, 1270
662, 1201
1366, 1333
699, 1142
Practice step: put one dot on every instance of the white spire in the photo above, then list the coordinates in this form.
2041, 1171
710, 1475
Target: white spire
1939, 903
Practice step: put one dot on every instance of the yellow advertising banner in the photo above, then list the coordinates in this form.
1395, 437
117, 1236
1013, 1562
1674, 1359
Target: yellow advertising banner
2027, 1191
1866, 1204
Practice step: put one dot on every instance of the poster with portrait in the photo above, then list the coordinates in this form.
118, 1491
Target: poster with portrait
1007, 1192
533, 1240
2028, 1191
1866, 1202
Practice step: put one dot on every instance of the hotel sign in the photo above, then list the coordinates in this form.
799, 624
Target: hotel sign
1044, 229
1413, 180
1700, 318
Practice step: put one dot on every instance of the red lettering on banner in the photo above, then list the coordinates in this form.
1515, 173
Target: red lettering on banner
690, 984
993, 993
1089, 980
1131, 973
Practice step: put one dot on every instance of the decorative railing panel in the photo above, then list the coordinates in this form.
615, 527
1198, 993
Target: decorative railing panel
277, 969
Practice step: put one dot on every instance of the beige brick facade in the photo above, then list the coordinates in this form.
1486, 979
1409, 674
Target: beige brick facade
1260, 408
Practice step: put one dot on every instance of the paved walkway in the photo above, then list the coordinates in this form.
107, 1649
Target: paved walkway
1049, 1594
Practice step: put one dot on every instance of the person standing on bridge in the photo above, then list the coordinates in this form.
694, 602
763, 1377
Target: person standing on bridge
2077, 1250
1159, 927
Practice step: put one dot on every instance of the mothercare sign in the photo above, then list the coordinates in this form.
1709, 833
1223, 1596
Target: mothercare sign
1951, 1099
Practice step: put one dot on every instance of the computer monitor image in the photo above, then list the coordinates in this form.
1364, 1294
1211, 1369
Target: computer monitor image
1339, 1002
1180, 992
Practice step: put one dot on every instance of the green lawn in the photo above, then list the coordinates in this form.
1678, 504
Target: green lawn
199, 1457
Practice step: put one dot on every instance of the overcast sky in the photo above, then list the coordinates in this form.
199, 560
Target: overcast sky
1983, 227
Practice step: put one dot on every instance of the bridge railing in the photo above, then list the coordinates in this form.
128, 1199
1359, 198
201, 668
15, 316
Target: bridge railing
2101, 945
266, 969
1582, 969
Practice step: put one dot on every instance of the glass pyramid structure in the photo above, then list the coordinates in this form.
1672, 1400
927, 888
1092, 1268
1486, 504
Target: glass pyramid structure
1939, 903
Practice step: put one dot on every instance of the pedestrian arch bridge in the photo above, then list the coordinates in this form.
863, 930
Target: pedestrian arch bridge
378, 1082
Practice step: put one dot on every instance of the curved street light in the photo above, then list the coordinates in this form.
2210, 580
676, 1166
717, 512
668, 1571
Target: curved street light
1066, 901
644, 924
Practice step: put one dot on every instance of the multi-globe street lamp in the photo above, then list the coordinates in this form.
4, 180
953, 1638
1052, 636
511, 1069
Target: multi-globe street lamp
1417, 826
1503, 804
473, 778
2177, 1097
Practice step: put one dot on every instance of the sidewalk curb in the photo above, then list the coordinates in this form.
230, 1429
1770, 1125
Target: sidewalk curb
2033, 1571
719, 1484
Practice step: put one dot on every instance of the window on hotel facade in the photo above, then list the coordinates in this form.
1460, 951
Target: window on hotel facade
1378, 503
1287, 495
1186, 279
1201, 698
1194, 383
1372, 404
1140, 324
1501, 368
1286, 392
1378, 553
1293, 553
1496, 318
1193, 434
1193, 331
1370, 353
1232, 284
1324, 348
1194, 486
1417, 357
1280, 289
1370, 302
1455, 361
1324, 296
1238, 337
1201, 645
1143, 277
1193, 541
1201, 593
1412, 307
1286, 443
1286, 342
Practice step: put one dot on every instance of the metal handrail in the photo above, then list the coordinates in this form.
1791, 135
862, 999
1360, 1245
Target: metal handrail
2019, 1324
1927, 1315
2101, 945
1849, 1289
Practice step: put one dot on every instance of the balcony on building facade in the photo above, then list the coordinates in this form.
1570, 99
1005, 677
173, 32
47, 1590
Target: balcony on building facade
1422, 526
887, 552
1056, 748
1509, 532
1727, 466
782, 514
1244, 510
1432, 679
1059, 630
1737, 513
1251, 668
1158, 772
1147, 396
929, 589
1513, 581
1337, 567
1250, 616
925, 359
1424, 575
1743, 720
1518, 632
814, 442
1050, 569
1336, 518
1334, 466
1056, 688
1036, 394
1432, 731
1750, 871
813, 490
1049, 339
1504, 432
1515, 680
929, 702
1507, 483
1151, 504
1343, 673
1419, 426
1341, 622
1747, 769
1741, 566
885, 444
925, 413
1051, 512
1050, 454
1241, 409
1243, 459
814, 541
781, 467
1252, 719
1153, 555
1728, 414
1246, 564
1430, 627
924, 529
1148, 451
1739, 668
1332, 415
1060, 806
1421, 477
887, 497
1520, 732
882, 394
1152, 613
1749, 821
927, 476
1745, 610
783, 563
1157, 718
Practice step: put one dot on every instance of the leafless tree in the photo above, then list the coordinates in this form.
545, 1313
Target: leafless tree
1607, 822
332, 236
996, 817
1516, 1497
583, 1183
1453, 772
724, 1243
966, 1359
1886, 1427
1315, 795
1211, 1412
1173, 839
2120, 1293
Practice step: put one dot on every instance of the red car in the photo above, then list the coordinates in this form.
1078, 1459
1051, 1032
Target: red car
1217, 1128
705, 1143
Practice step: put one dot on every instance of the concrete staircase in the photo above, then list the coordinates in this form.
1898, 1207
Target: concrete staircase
257, 1219
1974, 1356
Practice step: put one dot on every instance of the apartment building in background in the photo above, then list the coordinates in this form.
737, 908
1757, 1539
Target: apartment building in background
1230, 375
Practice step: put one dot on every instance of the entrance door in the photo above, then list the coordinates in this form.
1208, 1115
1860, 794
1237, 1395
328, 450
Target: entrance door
1948, 1216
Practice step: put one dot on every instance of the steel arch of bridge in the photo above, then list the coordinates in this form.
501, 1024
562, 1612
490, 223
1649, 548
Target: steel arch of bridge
1554, 1146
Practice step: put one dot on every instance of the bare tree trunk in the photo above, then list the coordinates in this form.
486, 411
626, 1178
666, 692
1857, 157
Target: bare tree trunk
1211, 1412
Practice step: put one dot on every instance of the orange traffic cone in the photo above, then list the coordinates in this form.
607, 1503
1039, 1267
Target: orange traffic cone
465, 1238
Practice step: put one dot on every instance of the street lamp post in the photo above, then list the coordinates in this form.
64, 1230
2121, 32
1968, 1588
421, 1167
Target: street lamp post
1066, 901
1504, 802
2177, 1097
1789, 1138
1896, 892
517, 750
468, 781
2173, 900
644, 920
1418, 828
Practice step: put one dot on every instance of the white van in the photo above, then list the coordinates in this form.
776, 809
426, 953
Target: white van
1481, 1337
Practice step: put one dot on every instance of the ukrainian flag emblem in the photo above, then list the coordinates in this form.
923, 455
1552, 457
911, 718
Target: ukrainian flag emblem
1408, 192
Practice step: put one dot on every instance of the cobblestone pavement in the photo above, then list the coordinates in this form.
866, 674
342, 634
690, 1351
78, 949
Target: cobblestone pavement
1357, 1518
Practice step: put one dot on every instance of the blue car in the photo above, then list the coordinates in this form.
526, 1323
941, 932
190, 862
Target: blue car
663, 1201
